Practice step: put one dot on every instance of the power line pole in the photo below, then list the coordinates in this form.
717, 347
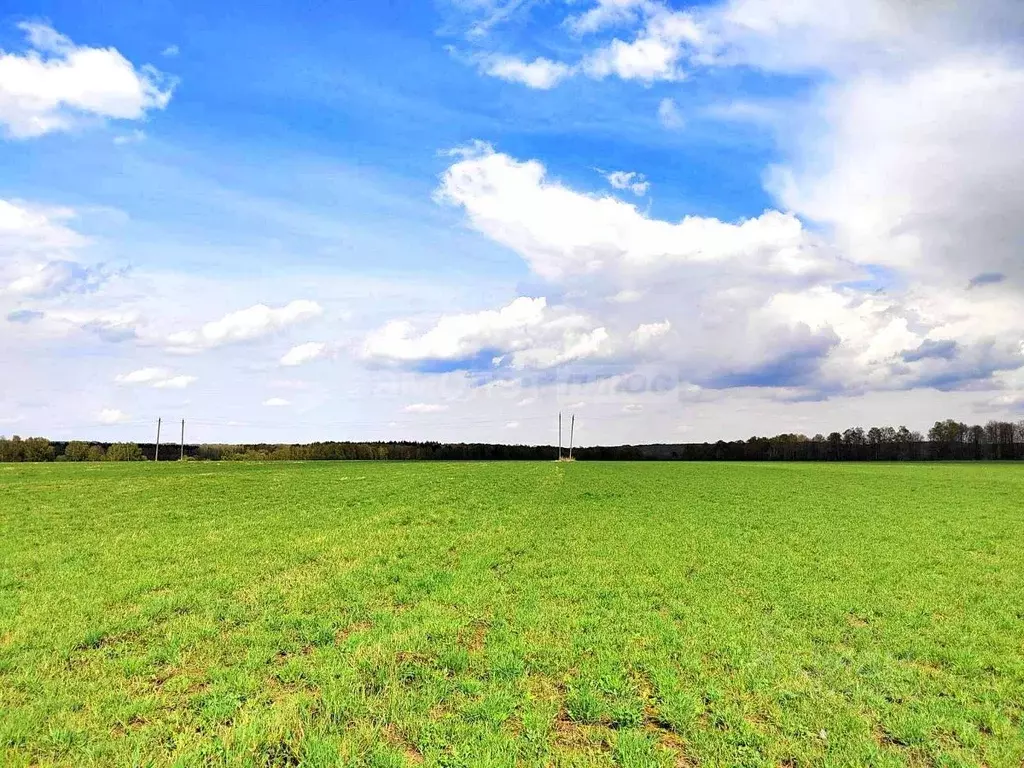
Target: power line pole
156, 455
182, 457
559, 435
572, 427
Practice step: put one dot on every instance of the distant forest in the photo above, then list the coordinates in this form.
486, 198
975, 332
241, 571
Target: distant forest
946, 440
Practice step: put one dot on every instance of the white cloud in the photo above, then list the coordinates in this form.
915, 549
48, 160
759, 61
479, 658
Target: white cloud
170, 50
655, 54
143, 376
276, 402
456, 337
56, 277
559, 231
648, 332
107, 325
56, 84
425, 408
540, 73
175, 382
303, 353
631, 180
907, 183
158, 378
111, 416
244, 325
669, 114
512, 425
526, 332
606, 13
40, 253
764, 303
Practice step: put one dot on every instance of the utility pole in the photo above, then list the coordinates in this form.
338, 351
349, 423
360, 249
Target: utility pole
182, 457
559, 435
572, 427
156, 456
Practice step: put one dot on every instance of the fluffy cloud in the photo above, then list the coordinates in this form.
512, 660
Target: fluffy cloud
523, 334
646, 333
40, 254
244, 325
761, 303
786, 36
559, 231
158, 378
540, 73
56, 84
276, 402
910, 184
303, 353
34, 230
655, 54
628, 180
111, 416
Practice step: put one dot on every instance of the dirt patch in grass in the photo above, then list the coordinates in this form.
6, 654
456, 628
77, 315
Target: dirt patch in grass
394, 737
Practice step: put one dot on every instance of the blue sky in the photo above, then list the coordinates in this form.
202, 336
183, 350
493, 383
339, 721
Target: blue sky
473, 213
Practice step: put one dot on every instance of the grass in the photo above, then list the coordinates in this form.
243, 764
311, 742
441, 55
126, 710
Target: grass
537, 614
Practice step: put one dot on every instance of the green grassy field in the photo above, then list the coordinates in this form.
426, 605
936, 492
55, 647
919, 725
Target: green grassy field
537, 614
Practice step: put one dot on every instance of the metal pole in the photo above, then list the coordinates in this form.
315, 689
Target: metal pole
559, 435
572, 427
182, 457
156, 455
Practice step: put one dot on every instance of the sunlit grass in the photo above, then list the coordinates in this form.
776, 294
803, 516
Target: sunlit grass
511, 614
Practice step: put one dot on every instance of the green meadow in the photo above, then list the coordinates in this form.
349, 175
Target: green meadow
512, 614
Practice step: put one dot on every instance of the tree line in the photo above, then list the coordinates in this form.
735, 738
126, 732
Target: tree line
946, 440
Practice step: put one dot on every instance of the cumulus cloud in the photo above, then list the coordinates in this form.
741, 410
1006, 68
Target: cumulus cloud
111, 416
303, 353
765, 303
523, 334
628, 180
244, 325
276, 402
655, 54
648, 332
540, 73
55, 85
907, 183
158, 378
560, 231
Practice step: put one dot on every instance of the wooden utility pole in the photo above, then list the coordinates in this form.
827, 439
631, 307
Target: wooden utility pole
156, 455
572, 427
559, 435
182, 457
